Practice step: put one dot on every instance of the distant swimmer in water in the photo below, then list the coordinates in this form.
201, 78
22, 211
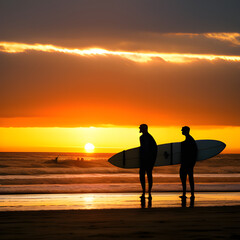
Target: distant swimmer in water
148, 154
188, 159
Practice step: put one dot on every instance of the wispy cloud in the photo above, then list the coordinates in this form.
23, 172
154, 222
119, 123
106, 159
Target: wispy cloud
141, 57
233, 38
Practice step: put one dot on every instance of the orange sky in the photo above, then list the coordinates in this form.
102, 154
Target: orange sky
106, 139
114, 68
67, 90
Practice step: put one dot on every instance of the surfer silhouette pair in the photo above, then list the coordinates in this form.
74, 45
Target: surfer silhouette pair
148, 154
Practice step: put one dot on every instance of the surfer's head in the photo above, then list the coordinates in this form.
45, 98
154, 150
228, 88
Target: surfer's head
185, 130
143, 128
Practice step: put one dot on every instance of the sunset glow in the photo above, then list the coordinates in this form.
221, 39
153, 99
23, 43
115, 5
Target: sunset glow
133, 56
79, 72
74, 139
79, 79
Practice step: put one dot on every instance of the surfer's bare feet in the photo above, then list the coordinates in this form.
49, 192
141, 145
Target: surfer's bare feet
183, 196
142, 196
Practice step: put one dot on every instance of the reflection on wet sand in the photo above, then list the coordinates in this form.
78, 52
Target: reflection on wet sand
143, 202
184, 202
22, 202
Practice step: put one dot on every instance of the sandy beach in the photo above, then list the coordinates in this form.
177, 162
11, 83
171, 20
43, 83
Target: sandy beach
155, 223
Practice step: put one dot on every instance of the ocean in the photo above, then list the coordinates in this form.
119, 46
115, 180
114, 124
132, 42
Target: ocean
26, 172
30, 179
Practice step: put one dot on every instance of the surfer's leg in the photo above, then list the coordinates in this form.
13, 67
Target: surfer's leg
183, 177
142, 180
191, 181
150, 181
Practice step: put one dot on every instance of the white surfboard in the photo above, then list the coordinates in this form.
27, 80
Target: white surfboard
168, 154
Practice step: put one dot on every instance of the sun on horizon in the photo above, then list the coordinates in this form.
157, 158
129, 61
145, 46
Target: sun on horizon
89, 148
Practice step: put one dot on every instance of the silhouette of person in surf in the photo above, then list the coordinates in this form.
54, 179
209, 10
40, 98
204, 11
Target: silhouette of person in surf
148, 154
188, 159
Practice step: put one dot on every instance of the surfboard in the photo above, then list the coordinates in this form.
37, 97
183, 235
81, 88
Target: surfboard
168, 154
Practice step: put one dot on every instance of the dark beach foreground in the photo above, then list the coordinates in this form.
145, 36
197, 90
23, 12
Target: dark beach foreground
154, 223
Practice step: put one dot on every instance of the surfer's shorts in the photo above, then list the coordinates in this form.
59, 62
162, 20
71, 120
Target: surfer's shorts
186, 170
147, 164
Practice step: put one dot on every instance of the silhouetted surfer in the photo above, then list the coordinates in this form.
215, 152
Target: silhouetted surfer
188, 160
148, 154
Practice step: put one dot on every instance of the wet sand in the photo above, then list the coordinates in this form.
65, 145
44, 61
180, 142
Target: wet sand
154, 223
37, 202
